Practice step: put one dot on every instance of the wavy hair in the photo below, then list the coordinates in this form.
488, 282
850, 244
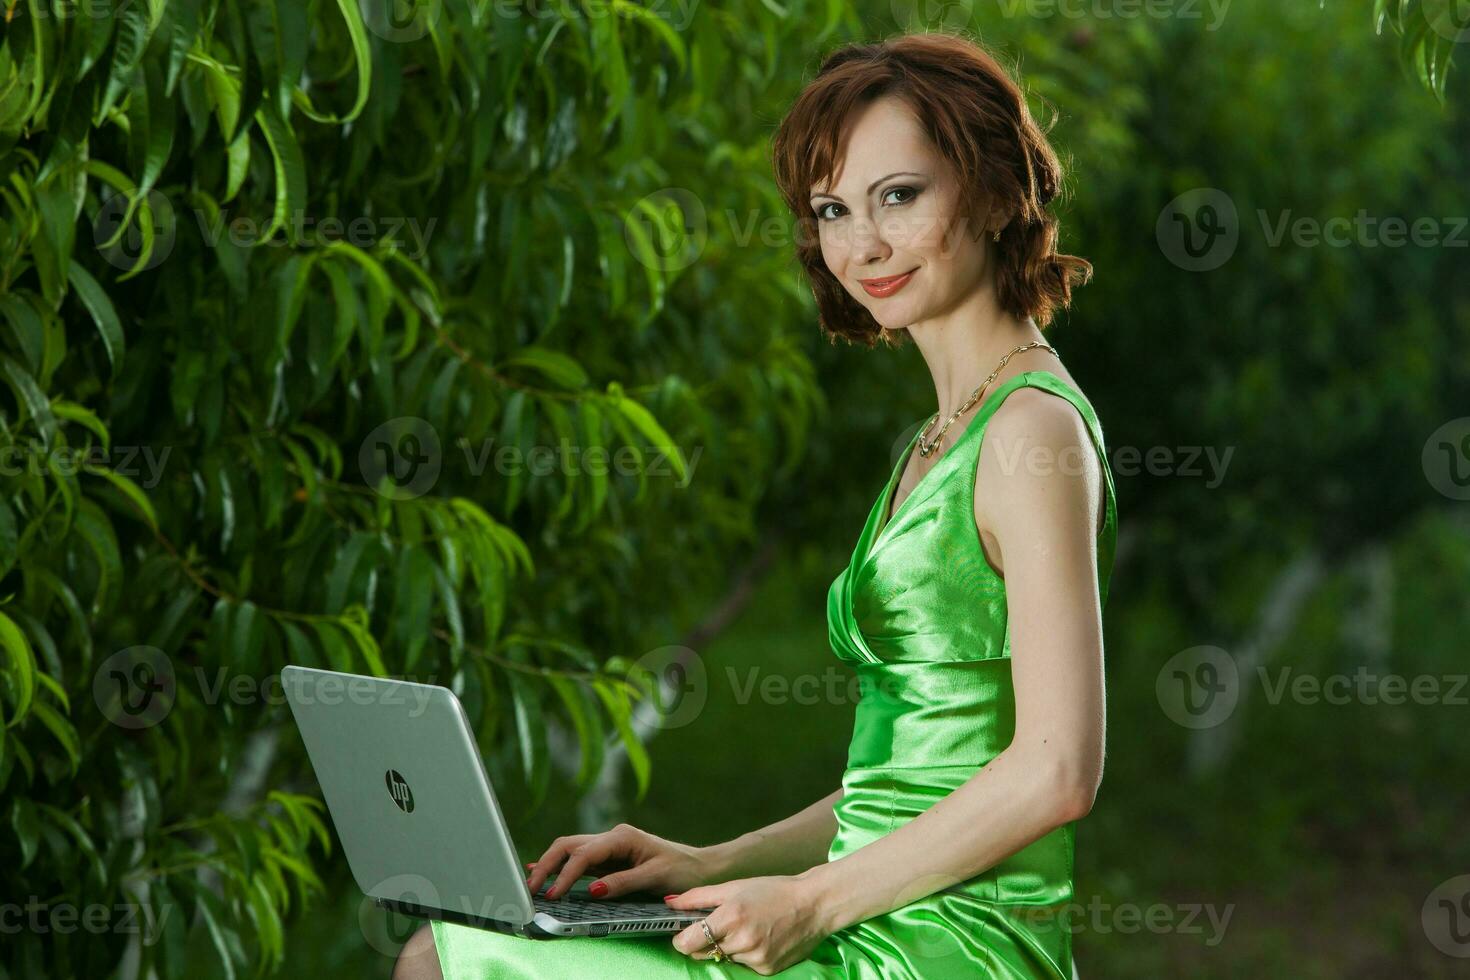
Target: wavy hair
976, 115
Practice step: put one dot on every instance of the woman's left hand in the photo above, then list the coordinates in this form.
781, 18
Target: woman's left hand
766, 924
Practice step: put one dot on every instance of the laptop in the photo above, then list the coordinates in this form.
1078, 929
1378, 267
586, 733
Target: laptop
407, 792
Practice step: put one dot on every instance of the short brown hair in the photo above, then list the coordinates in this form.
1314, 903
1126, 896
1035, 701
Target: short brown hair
977, 117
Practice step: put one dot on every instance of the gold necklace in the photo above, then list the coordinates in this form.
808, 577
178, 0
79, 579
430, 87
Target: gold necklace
927, 451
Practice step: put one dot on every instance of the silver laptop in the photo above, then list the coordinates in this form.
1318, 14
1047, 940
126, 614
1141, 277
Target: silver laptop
407, 792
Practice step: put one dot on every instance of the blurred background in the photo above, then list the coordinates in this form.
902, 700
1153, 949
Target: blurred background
302, 306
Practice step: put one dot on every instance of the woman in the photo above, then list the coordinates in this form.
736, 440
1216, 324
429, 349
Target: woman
971, 608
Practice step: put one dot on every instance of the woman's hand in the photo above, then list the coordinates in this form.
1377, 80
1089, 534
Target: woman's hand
628, 859
766, 923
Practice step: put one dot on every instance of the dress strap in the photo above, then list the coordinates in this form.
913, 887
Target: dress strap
1048, 381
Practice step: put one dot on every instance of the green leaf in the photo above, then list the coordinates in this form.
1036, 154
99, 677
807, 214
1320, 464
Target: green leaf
83, 416
224, 89
269, 931
104, 315
134, 29
224, 939
620, 711
556, 366
131, 491
27, 827
151, 116
247, 638
355, 621
25, 324
93, 527
20, 670
290, 171
587, 722
531, 732
646, 424
60, 727
84, 840
31, 397
359, 548
53, 246
412, 602
655, 22
362, 59
449, 602
335, 645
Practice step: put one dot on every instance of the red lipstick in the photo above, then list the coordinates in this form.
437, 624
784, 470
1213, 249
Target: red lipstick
886, 286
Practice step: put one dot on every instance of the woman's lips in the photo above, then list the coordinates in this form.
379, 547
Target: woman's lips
886, 287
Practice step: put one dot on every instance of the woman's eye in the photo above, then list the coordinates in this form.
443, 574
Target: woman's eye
911, 192
903, 190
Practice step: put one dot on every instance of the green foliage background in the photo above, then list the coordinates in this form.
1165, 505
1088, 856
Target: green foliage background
172, 289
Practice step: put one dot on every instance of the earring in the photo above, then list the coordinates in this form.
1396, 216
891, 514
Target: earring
996, 236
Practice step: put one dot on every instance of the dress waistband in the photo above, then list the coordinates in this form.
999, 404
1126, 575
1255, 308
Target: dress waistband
922, 715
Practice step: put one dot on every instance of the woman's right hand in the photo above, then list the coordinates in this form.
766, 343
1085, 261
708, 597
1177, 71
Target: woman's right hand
633, 860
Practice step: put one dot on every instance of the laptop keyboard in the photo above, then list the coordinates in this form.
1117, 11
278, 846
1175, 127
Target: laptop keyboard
576, 910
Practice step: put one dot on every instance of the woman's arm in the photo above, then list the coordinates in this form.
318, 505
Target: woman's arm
1043, 513
787, 847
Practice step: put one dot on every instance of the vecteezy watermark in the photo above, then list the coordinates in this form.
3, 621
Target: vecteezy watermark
1364, 230
64, 918
1182, 461
1209, 462
400, 459
1446, 917
401, 21
387, 930
1173, 461
678, 14
403, 232
1214, 10
135, 234
1199, 230
1161, 918
670, 228
223, 685
569, 459
677, 685
135, 687
139, 234
667, 230
831, 686
1200, 687
1450, 19
1446, 458
1363, 686
138, 463
944, 15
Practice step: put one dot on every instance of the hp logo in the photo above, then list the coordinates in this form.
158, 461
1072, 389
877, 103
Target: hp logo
398, 789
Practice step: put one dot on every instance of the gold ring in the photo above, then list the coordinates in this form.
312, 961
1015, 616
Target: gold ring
719, 955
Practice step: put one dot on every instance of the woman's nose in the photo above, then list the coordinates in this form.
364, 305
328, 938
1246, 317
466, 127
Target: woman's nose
867, 242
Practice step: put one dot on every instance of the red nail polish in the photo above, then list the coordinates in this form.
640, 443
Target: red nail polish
530, 864
597, 888
667, 897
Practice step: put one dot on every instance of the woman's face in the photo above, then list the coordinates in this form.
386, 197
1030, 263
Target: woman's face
887, 217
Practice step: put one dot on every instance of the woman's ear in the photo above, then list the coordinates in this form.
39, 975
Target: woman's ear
999, 217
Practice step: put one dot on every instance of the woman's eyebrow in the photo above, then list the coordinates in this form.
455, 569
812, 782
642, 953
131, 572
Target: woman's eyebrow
901, 173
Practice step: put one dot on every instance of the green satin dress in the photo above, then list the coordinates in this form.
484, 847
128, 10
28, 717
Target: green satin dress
921, 616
